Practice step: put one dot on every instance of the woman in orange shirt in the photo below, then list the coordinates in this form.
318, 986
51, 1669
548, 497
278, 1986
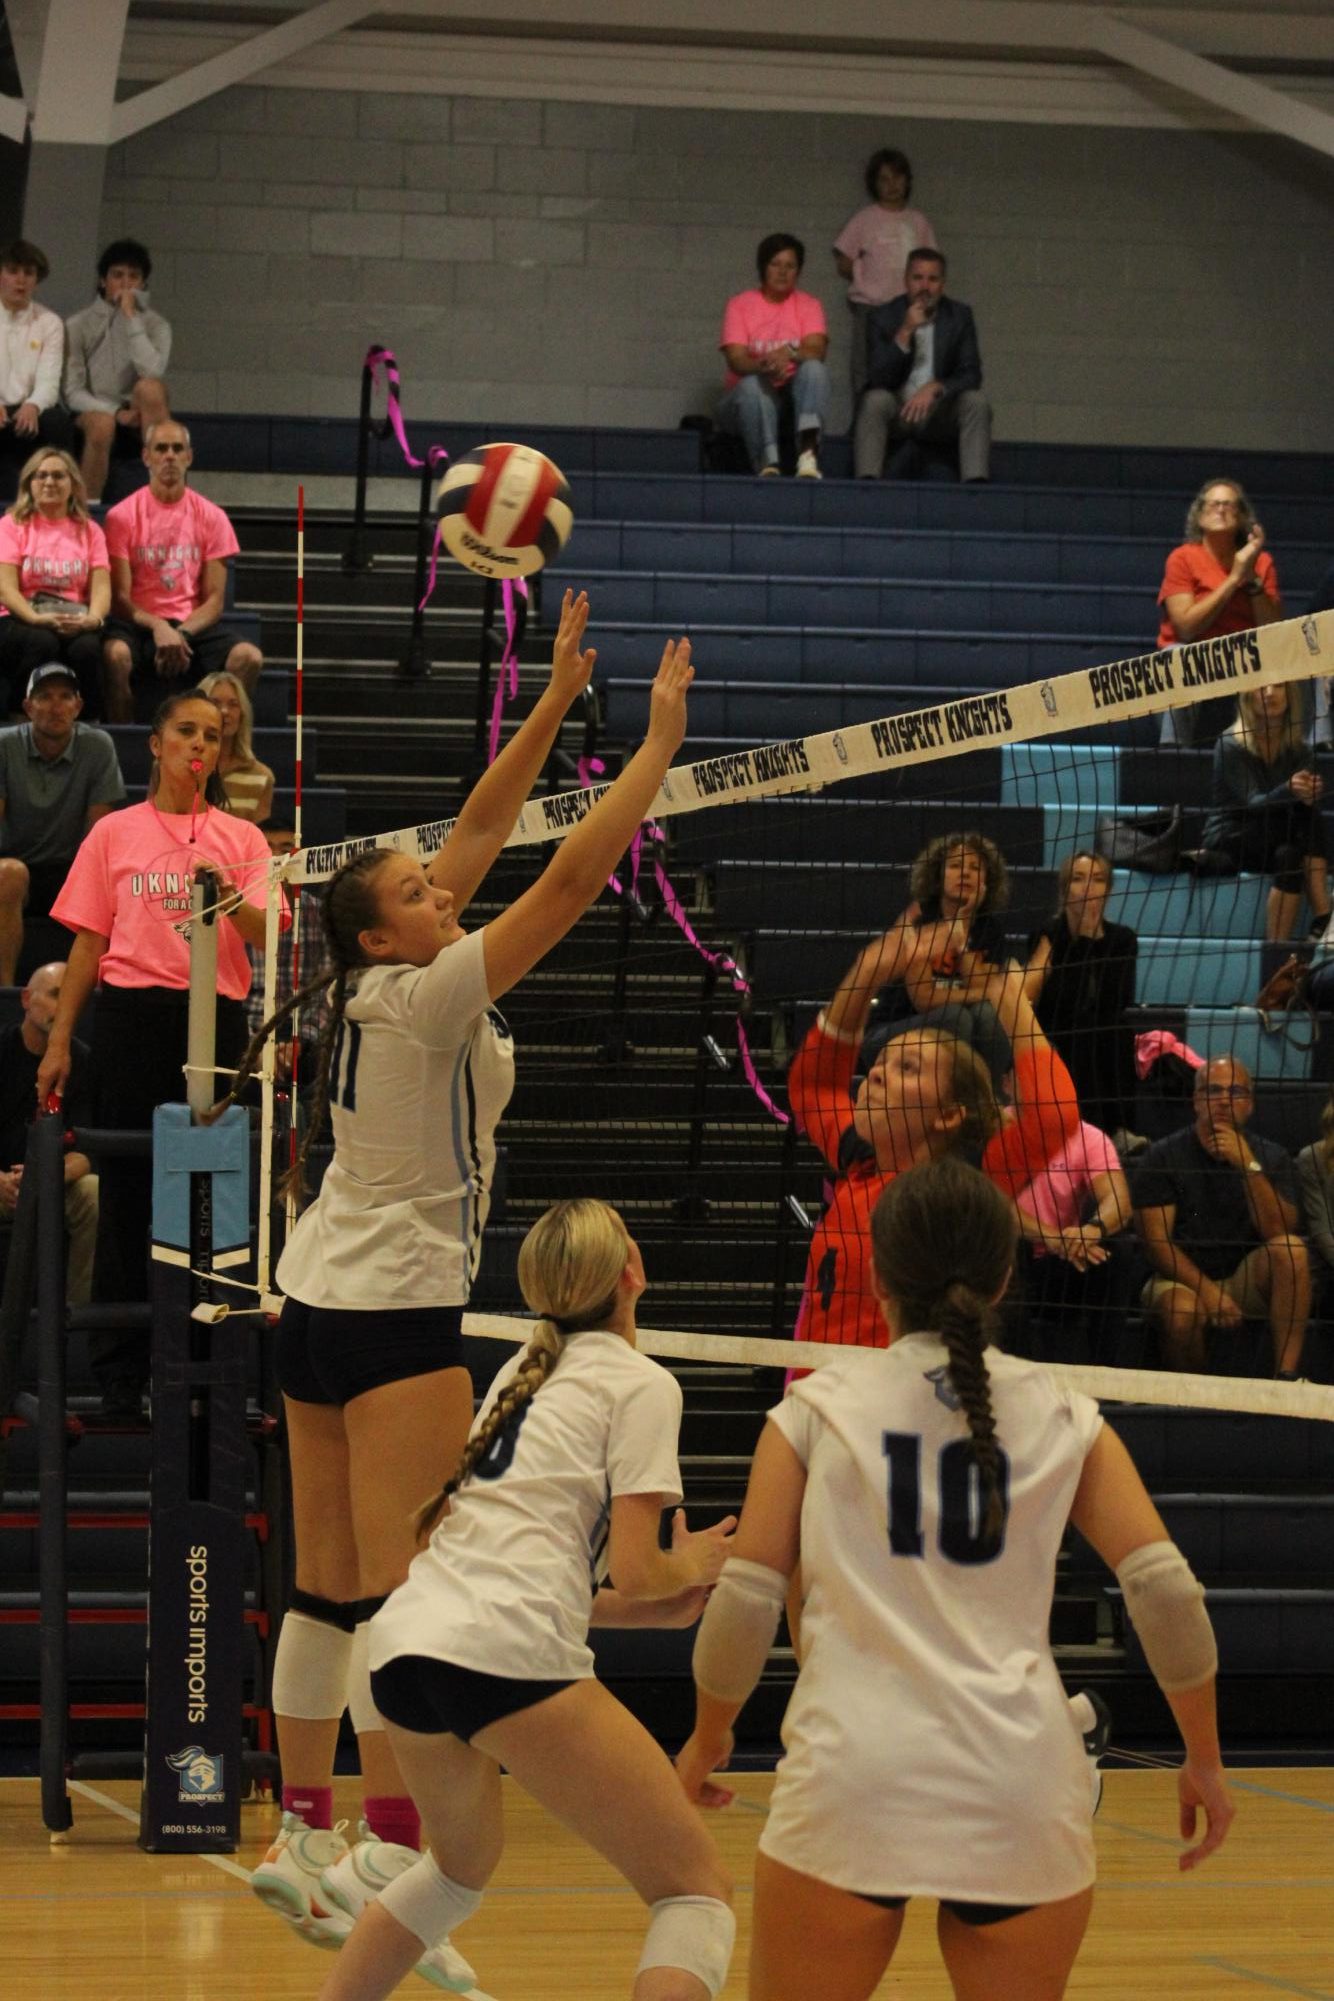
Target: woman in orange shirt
928, 1092
1220, 580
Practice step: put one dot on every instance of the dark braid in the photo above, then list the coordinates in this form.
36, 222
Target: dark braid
570, 1266
965, 1324
347, 908
943, 1241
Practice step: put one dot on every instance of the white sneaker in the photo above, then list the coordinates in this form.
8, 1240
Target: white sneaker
288, 1879
770, 472
359, 1875
808, 466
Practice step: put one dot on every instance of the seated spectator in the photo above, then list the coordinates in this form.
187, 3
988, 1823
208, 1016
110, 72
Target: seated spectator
1266, 813
924, 382
1220, 579
1081, 980
58, 776
1069, 1216
1315, 1178
55, 579
247, 782
774, 341
958, 885
32, 349
22, 1047
874, 245
116, 354
169, 551
1220, 1217
302, 954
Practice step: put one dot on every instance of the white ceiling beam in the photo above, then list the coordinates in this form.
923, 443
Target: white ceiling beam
257, 52
75, 86
1256, 102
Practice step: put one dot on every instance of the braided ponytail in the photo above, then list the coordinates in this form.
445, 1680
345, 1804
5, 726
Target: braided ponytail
570, 1267
943, 1241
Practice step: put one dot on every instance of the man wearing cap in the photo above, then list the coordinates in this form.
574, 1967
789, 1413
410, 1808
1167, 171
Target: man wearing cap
57, 775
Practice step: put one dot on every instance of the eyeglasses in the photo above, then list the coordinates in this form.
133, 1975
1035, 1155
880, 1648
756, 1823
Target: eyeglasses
39, 478
1228, 506
1227, 1091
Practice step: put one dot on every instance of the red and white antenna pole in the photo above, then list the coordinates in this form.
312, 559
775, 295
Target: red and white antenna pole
296, 814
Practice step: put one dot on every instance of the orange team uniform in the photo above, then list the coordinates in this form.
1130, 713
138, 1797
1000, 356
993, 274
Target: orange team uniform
837, 1302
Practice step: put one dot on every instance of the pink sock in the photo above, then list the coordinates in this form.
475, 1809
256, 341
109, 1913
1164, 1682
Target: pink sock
395, 1820
313, 1803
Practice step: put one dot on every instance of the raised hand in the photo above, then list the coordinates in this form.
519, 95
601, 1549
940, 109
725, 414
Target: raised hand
667, 701
571, 670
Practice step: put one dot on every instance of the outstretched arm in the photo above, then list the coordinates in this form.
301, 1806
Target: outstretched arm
524, 933
494, 803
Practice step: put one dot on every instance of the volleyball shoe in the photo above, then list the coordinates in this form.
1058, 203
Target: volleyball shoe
288, 1879
350, 1883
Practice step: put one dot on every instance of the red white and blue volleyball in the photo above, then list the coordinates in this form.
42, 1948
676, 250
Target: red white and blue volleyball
504, 510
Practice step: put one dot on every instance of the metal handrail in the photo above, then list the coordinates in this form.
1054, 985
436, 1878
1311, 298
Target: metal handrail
357, 555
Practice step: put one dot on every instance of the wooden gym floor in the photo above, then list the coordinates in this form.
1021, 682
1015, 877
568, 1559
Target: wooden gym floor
93, 1917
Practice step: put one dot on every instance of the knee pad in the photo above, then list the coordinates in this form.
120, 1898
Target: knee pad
428, 1903
360, 1702
311, 1670
341, 1613
694, 1933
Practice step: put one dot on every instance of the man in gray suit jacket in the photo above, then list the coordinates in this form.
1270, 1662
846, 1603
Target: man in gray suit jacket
924, 376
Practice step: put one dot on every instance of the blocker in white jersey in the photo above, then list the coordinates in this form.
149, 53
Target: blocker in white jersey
959, 1750
421, 1070
921, 1493
505, 1585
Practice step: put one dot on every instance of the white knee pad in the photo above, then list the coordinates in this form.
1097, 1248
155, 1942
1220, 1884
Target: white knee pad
429, 1903
311, 1669
365, 1716
695, 1933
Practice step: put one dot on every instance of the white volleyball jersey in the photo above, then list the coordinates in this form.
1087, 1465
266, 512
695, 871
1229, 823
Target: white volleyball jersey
422, 1070
505, 1585
929, 1745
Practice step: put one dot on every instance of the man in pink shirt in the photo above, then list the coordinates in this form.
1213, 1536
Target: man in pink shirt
774, 341
169, 550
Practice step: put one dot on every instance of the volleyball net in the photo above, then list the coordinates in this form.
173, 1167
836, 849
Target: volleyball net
655, 1042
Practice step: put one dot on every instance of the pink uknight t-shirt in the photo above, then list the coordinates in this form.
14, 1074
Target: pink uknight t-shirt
758, 324
53, 558
167, 547
1059, 1195
130, 881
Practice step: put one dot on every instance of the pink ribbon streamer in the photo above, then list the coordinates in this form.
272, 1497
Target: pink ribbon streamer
591, 768
383, 365
507, 678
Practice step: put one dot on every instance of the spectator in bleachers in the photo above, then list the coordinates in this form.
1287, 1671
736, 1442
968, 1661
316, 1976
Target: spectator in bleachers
924, 383
1081, 980
116, 354
958, 885
58, 777
873, 247
169, 549
1220, 1215
1072, 1275
1221, 579
1315, 1178
774, 341
1266, 813
248, 781
55, 578
22, 1047
32, 350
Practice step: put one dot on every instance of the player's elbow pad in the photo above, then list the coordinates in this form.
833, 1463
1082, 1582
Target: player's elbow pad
738, 1629
1165, 1600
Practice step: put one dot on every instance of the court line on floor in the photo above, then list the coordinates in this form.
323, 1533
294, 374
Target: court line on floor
1273, 1793
1265, 1979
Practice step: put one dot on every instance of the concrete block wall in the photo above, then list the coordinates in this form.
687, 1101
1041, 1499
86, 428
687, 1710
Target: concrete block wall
568, 263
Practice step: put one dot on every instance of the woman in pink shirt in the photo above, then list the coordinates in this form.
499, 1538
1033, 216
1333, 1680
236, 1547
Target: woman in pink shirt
873, 247
126, 893
774, 341
55, 578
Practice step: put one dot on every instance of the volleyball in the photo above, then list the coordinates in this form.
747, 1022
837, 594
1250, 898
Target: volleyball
504, 510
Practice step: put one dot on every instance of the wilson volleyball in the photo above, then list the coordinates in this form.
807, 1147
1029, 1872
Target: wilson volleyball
504, 510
